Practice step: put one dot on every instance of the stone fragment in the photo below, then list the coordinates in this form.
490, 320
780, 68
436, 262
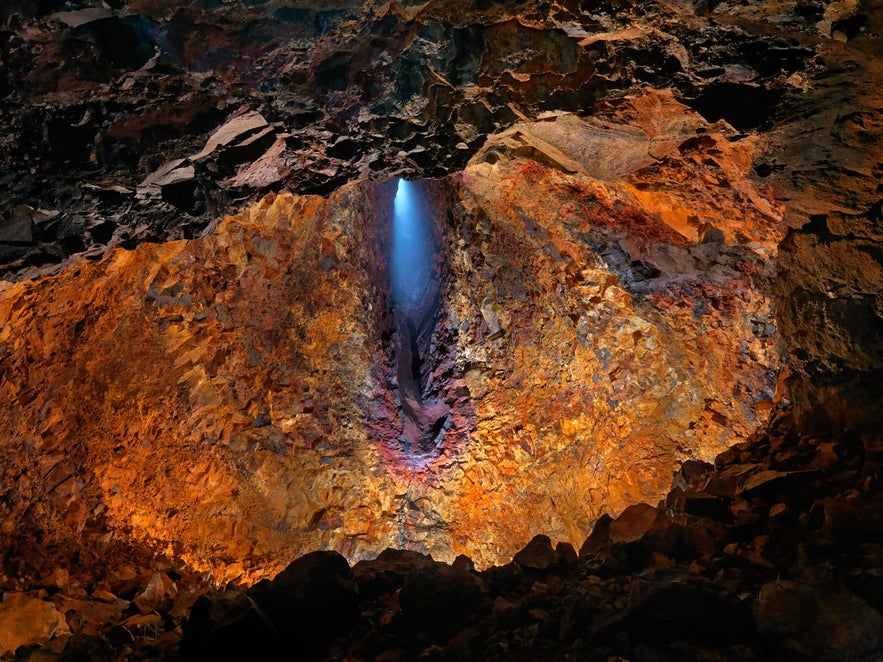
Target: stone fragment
728, 482
157, 589
268, 169
682, 608
537, 554
163, 174
144, 625
103, 595
249, 148
769, 484
632, 523
439, 598
17, 226
91, 617
599, 539
819, 620
699, 504
566, 552
308, 603
854, 517
463, 562
690, 474
81, 17
385, 574
24, 620
234, 130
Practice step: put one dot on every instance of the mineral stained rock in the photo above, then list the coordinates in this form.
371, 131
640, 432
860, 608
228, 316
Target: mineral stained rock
99, 100
763, 578
655, 226
234, 398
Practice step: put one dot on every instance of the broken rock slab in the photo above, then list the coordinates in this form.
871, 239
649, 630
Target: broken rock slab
233, 131
822, 621
25, 620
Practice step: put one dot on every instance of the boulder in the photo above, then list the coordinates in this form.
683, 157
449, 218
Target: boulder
599, 539
25, 620
440, 598
537, 554
819, 620
633, 523
683, 608
385, 574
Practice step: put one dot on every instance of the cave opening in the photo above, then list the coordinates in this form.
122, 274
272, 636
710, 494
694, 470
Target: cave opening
416, 297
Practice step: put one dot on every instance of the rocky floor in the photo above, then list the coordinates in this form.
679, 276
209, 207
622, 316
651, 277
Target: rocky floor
774, 552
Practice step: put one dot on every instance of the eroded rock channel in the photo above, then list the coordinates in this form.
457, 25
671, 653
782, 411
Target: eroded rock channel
415, 268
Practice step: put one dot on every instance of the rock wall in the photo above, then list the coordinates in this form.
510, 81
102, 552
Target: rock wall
147, 120
643, 211
235, 400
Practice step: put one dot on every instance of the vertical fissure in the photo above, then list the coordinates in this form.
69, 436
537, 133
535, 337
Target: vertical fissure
416, 299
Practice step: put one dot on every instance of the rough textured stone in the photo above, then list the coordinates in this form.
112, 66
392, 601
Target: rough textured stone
656, 228
264, 347
25, 620
824, 621
308, 97
538, 554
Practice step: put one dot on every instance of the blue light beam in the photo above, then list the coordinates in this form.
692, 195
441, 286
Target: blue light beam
410, 269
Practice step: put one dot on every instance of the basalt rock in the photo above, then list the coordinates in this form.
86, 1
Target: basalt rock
655, 235
574, 331
758, 592
97, 99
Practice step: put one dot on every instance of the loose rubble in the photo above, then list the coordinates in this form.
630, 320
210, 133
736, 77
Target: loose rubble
778, 571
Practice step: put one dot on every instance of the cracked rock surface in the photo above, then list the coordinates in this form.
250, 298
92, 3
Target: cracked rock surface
656, 241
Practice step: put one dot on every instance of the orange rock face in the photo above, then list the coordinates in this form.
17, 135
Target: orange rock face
233, 399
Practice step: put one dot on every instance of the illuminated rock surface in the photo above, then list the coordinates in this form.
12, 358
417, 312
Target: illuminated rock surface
234, 400
654, 227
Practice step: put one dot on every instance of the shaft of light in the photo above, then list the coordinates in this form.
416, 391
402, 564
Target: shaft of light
411, 255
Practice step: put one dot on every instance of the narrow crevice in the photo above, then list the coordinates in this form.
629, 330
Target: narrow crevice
416, 304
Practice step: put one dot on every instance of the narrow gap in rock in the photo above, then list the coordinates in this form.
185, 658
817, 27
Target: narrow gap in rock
416, 301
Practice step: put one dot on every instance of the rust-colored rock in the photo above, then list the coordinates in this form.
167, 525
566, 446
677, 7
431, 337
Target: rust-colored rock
233, 398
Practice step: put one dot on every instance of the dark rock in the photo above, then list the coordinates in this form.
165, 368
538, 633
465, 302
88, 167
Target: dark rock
306, 605
699, 504
690, 474
854, 517
599, 539
249, 149
566, 552
820, 621
386, 573
229, 628
317, 591
633, 523
538, 554
234, 131
775, 485
728, 483
682, 608
157, 588
440, 598
463, 562
745, 106
17, 226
